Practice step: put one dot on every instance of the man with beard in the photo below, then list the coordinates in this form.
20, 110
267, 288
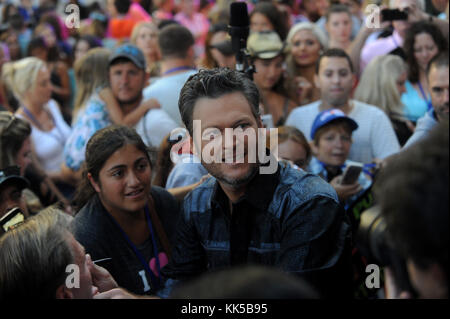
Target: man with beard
437, 72
375, 138
127, 79
247, 213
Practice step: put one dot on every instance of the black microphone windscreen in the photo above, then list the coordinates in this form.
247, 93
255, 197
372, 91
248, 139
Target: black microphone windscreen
239, 15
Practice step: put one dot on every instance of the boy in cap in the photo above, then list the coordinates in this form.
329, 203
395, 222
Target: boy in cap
331, 133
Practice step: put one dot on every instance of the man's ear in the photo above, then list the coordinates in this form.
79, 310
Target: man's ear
191, 54
62, 292
93, 183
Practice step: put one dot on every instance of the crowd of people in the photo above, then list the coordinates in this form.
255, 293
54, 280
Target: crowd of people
115, 155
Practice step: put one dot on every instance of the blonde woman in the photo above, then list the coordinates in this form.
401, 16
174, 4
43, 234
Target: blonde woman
305, 43
29, 80
382, 84
145, 37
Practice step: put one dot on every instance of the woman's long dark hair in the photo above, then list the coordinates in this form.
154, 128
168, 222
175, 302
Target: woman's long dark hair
410, 39
164, 163
99, 149
269, 10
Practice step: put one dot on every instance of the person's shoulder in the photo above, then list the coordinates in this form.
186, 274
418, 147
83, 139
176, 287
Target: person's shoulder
300, 186
87, 223
311, 107
367, 110
299, 112
199, 199
162, 195
53, 107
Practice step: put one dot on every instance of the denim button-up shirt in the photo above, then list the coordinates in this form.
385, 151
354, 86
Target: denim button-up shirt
290, 219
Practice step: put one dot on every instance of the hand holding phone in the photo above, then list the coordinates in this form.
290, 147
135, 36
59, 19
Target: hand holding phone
13, 218
393, 14
351, 174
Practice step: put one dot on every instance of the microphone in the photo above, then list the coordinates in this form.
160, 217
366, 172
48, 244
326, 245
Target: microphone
239, 30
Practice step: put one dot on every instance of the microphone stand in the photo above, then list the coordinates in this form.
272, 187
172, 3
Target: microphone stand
244, 63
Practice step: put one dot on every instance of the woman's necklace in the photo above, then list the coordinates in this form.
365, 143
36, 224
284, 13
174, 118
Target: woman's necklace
59, 137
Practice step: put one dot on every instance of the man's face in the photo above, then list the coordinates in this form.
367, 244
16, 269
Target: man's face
339, 26
224, 160
86, 290
333, 146
335, 80
127, 82
438, 83
10, 197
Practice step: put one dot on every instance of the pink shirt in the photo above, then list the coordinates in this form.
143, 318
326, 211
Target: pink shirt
379, 47
198, 24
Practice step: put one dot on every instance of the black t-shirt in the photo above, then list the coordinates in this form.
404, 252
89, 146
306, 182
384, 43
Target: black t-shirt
94, 228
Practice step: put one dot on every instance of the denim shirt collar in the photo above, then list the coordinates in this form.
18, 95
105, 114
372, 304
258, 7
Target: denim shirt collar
259, 191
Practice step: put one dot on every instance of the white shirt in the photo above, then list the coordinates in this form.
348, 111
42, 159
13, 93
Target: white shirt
374, 137
49, 145
154, 126
167, 91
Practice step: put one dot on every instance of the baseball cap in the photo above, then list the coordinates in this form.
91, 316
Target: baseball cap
329, 116
11, 174
265, 44
130, 52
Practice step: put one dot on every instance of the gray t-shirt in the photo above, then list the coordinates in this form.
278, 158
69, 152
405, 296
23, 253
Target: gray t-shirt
374, 138
167, 91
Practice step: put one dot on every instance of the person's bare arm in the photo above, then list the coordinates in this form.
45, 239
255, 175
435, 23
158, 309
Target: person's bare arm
180, 192
355, 48
354, 51
415, 15
116, 113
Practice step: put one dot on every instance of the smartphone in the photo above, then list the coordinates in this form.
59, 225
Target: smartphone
351, 174
393, 14
13, 218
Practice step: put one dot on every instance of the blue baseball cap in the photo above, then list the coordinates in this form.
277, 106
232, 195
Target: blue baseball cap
130, 52
329, 116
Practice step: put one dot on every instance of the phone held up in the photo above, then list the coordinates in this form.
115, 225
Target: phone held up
13, 218
351, 174
394, 14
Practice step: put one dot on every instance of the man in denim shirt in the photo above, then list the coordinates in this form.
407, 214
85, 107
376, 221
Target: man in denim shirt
253, 210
